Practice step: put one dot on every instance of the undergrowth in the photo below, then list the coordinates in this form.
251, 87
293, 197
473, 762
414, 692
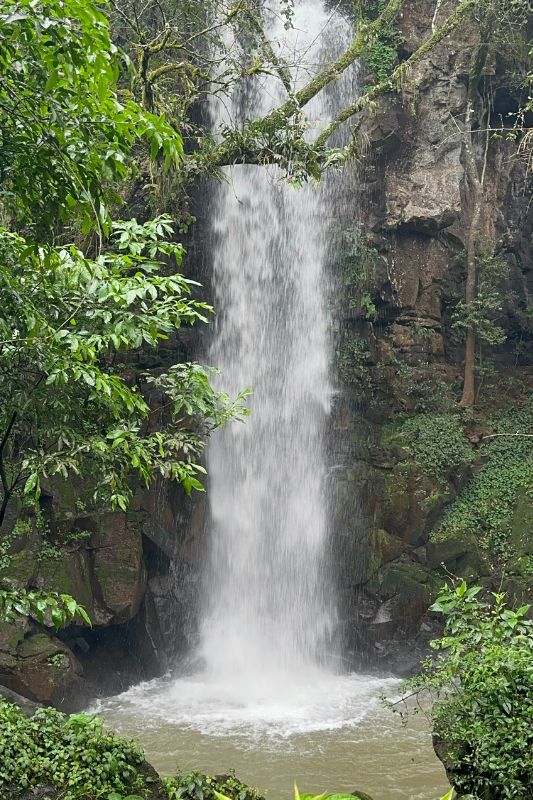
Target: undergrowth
74, 757
436, 442
486, 505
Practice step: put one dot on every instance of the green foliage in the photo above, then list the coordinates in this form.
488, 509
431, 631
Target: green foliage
329, 795
45, 607
482, 312
487, 503
482, 684
436, 442
66, 136
359, 260
64, 319
352, 360
197, 786
381, 53
72, 755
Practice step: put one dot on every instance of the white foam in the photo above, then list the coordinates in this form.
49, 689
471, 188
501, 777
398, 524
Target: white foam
201, 702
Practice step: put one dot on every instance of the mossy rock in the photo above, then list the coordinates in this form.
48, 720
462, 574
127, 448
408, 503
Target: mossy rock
409, 589
403, 578
519, 589
46, 670
68, 574
39, 645
118, 568
397, 500
459, 553
382, 548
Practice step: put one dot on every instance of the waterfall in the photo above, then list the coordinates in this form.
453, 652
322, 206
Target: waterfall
266, 665
270, 597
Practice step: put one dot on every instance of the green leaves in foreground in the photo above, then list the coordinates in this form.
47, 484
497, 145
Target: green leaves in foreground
46, 607
481, 683
73, 406
74, 756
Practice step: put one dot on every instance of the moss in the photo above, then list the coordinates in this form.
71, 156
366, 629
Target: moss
408, 580
37, 646
21, 568
495, 505
378, 548
11, 634
460, 555
68, 575
397, 496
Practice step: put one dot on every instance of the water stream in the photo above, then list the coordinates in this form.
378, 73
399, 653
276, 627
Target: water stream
267, 697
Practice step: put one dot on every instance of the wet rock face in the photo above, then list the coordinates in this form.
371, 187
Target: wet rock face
413, 208
104, 566
40, 667
118, 570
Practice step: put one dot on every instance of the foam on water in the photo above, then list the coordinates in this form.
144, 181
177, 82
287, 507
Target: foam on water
318, 702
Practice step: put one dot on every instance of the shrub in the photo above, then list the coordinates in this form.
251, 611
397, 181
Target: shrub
74, 756
436, 442
197, 786
482, 683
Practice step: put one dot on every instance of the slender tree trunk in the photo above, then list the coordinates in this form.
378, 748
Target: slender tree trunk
7, 488
475, 200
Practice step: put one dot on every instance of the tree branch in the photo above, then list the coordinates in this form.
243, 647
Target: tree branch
390, 83
229, 151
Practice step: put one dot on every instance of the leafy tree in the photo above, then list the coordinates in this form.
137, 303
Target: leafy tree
66, 136
481, 681
69, 316
68, 409
201, 48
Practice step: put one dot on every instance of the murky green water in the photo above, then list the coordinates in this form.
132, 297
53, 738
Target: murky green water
338, 737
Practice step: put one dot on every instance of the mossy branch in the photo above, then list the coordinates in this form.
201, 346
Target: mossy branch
390, 84
229, 151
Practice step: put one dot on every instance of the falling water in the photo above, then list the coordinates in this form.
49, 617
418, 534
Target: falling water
271, 611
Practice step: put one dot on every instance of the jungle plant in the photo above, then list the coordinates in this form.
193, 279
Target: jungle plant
488, 501
68, 411
482, 312
66, 135
73, 755
71, 314
197, 786
481, 684
436, 442
359, 259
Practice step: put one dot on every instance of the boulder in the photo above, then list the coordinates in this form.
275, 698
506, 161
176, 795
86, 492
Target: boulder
119, 573
42, 668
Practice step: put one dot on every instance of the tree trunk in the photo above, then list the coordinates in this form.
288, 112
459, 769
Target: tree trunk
475, 199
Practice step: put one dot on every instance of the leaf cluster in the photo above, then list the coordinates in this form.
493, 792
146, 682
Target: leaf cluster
73, 756
49, 608
66, 135
197, 786
482, 683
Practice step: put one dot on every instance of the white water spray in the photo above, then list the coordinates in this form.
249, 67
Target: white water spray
271, 610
